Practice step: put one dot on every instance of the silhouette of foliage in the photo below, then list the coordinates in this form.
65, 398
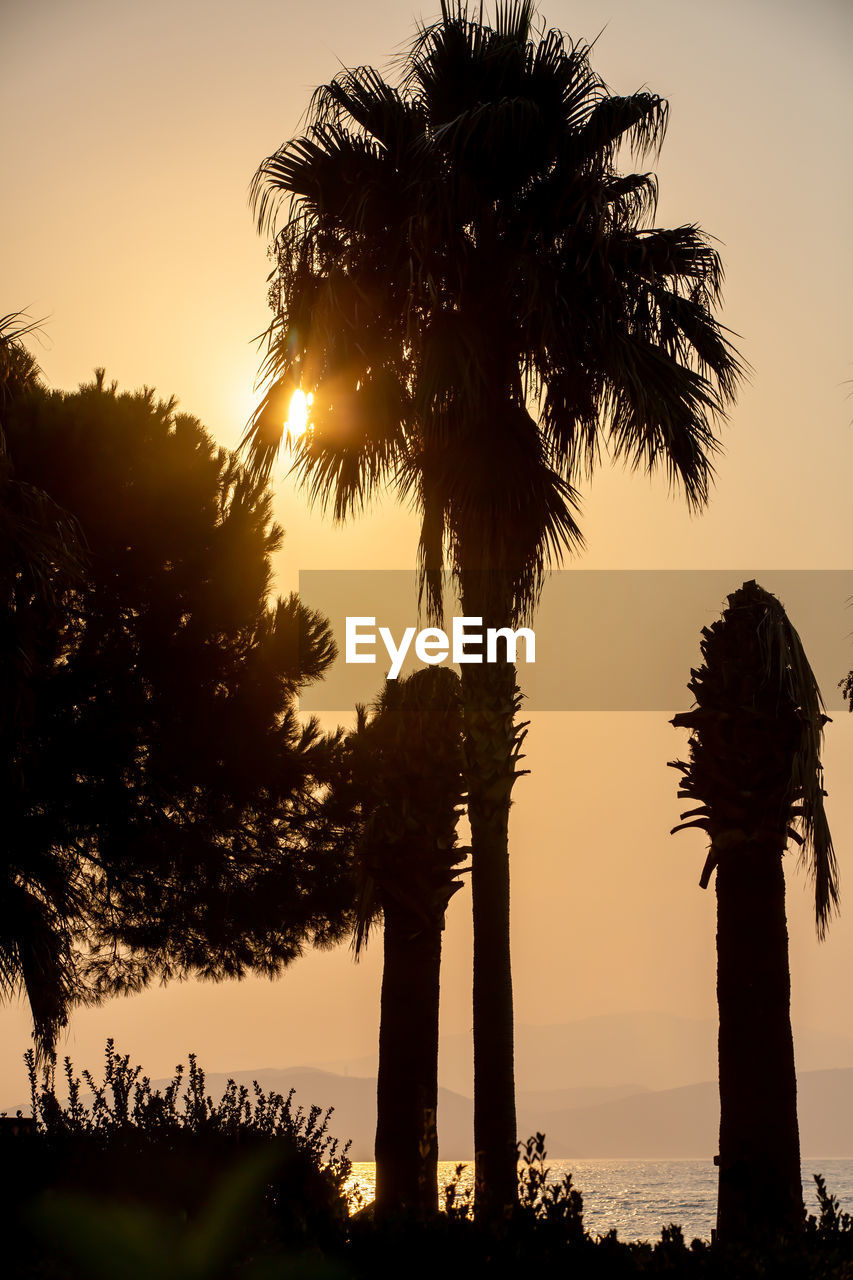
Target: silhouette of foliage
831, 1221
107, 1241
846, 686
144, 1184
757, 736
19, 368
545, 1201
407, 768
39, 541
481, 304
164, 807
136, 1177
42, 555
755, 772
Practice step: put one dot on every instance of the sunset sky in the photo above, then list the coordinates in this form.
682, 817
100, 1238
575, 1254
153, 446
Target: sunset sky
131, 134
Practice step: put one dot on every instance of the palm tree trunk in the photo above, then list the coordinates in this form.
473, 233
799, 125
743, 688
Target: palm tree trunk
760, 1189
407, 1088
489, 699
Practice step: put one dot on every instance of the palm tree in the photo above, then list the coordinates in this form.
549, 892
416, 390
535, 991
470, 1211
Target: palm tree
407, 768
755, 769
478, 301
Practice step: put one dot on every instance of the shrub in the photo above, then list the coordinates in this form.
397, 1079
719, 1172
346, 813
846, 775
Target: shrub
133, 1148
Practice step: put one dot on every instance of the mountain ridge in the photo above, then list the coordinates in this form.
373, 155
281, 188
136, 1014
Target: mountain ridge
572, 1086
660, 1050
679, 1123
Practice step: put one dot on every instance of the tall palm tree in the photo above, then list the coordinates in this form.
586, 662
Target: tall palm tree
407, 768
755, 770
479, 301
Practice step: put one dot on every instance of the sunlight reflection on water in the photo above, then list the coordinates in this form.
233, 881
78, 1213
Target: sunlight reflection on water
639, 1197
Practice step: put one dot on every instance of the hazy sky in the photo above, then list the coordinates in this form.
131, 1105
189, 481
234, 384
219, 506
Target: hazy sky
131, 135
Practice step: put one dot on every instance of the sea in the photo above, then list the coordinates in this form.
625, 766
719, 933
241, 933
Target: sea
637, 1198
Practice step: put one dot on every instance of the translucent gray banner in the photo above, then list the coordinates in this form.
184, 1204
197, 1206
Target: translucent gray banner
605, 640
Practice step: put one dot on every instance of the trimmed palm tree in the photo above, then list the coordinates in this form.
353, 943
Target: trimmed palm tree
755, 771
407, 768
479, 302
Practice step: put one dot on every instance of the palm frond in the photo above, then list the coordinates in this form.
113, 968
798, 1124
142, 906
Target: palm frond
513, 19
633, 198
683, 256
639, 120
362, 97
333, 172
18, 366
661, 412
460, 248
786, 662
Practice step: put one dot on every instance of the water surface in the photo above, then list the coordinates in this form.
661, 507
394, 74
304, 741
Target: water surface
639, 1197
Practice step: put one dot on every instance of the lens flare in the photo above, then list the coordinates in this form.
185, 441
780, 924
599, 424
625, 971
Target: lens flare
297, 414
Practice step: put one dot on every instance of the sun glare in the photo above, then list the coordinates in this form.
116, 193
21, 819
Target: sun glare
297, 414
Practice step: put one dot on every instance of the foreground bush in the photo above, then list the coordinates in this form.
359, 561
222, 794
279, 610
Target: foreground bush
132, 1183
265, 1176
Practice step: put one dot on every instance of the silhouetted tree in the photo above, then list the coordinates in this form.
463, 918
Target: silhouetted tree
40, 543
478, 301
19, 370
755, 769
407, 767
41, 556
162, 803
846, 686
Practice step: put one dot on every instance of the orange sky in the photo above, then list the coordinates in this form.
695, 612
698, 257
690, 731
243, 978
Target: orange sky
132, 133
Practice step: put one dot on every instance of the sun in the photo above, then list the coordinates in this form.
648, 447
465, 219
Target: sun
297, 415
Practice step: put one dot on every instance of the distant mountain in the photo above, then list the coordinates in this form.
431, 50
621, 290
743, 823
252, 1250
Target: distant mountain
652, 1124
354, 1102
684, 1122
571, 1082
659, 1050
542, 1100
582, 1122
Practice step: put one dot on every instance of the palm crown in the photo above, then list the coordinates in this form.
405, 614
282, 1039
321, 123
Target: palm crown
477, 298
755, 755
408, 768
